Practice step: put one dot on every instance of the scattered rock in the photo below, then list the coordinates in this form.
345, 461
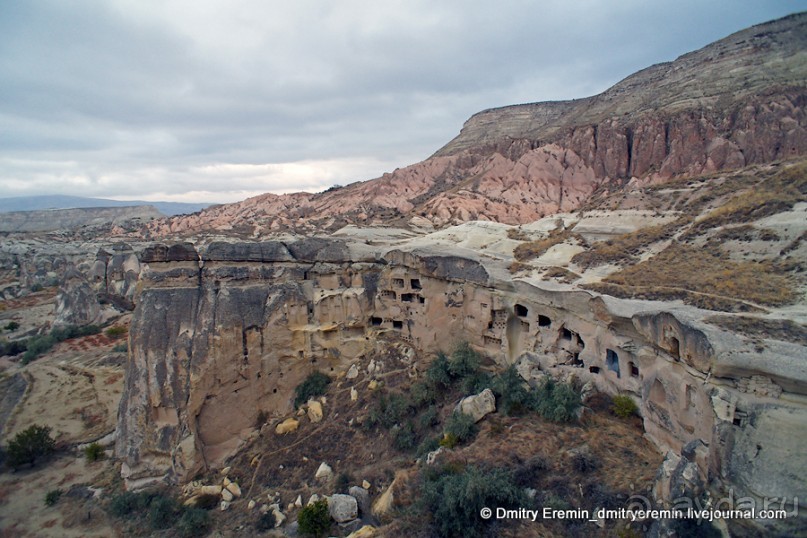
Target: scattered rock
298, 502
312, 499
324, 471
353, 372
362, 498
287, 426
478, 405
210, 490
343, 508
354, 394
226, 495
224, 505
251, 505
280, 517
226, 471
365, 484
588, 391
431, 457
233, 488
368, 531
372, 385
314, 411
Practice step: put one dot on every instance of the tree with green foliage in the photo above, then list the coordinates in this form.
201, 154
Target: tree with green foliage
30, 445
623, 406
314, 519
314, 385
512, 395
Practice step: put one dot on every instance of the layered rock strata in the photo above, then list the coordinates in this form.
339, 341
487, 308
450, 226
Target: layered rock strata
220, 335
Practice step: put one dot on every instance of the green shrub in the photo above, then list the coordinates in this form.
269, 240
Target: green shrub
115, 332
449, 440
207, 501
405, 439
12, 326
30, 445
428, 418
193, 522
476, 382
314, 385
53, 497
454, 498
422, 393
429, 444
266, 522
388, 412
36, 346
464, 361
623, 406
121, 348
162, 512
314, 519
93, 452
512, 395
437, 375
557, 402
36, 287
127, 503
461, 426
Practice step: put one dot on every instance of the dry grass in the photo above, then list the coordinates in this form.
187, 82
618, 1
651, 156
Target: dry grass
700, 278
560, 273
776, 329
517, 234
534, 249
628, 247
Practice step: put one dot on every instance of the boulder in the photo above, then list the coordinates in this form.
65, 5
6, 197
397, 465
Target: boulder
287, 426
314, 411
324, 472
343, 508
478, 405
226, 495
210, 490
368, 531
362, 498
233, 488
353, 372
354, 394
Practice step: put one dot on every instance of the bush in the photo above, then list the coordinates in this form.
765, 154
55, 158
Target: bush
557, 402
454, 498
194, 522
207, 501
421, 394
464, 361
93, 452
476, 382
53, 497
314, 519
128, 503
404, 438
37, 287
121, 348
30, 445
461, 426
388, 412
437, 375
12, 326
314, 385
429, 444
623, 406
428, 418
266, 522
162, 512
36, 346
512, 395
115, 332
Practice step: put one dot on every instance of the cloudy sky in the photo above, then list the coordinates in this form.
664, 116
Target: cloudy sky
214, 100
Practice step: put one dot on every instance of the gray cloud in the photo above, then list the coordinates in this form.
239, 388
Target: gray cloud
195, 99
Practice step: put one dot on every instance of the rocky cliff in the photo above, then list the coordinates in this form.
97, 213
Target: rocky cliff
736, 102
224, 334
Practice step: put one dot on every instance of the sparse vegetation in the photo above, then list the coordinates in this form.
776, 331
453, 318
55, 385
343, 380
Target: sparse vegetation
12, 326
53, 496
193, 522
93, 452
115, 331
40, 344
314, 385
121, 348
454, 497
266, 522
560, 273
623, 406
702, 279
314, 519
534, 249
461, 427
29, 446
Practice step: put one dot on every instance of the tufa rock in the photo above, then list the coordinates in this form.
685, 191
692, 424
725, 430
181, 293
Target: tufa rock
314, 411
287, 426
343, 508
478, 405
362, 498
324, 472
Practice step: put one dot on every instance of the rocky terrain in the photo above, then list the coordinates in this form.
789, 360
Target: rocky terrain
66, 219
645, 247
736, 102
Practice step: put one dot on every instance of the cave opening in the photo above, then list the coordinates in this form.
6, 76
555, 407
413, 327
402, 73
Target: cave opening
521, 311
544, 321
612, 361
415, 284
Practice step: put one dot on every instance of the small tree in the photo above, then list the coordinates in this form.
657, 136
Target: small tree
623, 406
314, 519
93, 452
314, 385
30, 445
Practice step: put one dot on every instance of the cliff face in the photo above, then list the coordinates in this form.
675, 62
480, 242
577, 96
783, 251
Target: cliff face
736, 102
223, 335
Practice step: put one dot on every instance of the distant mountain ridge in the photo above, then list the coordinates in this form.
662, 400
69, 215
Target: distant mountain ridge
57, 201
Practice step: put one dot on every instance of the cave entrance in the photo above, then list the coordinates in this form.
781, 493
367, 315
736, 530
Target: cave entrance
522, 311
612, 361
544, 321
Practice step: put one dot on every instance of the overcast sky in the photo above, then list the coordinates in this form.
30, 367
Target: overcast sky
203, 100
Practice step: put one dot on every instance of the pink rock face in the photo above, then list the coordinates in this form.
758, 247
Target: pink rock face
736, 102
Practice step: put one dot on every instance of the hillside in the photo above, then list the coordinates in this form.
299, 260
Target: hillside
736, 102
